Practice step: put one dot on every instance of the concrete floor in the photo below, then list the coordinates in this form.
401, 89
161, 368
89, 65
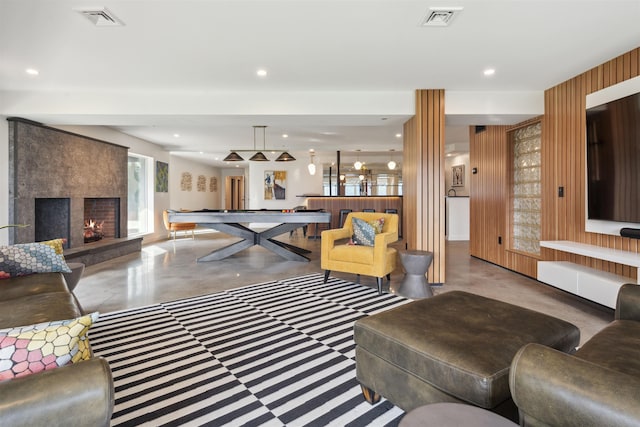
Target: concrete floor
168, 270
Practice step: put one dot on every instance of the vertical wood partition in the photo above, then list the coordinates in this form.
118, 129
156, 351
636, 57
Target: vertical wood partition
423, 180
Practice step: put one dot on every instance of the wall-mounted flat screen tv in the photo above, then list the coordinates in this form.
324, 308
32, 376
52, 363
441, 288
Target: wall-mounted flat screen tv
613, 160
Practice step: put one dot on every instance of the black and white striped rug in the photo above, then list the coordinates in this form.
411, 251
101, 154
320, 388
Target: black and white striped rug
278, 353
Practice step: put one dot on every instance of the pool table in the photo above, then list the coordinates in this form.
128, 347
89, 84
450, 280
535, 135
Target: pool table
231, 222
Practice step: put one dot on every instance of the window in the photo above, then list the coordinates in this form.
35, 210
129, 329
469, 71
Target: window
526, 196
140, 200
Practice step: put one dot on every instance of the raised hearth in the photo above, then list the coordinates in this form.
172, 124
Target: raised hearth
103, 250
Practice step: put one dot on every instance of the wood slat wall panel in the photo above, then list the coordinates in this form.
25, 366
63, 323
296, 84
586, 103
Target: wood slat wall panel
333, 205
564, 163
564, 110
489, 202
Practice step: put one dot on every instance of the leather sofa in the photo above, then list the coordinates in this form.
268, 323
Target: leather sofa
79, 394
598, 385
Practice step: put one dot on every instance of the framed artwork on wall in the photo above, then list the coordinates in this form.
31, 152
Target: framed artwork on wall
457, 176
275, 185
162, 177
185, 181
202, 183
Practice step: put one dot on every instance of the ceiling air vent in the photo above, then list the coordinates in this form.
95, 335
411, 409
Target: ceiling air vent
440, 16
101, 17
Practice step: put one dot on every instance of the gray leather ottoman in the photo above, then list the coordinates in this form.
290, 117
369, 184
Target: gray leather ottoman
454, 347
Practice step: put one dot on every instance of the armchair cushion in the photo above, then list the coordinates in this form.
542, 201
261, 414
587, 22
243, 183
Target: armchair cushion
352, 253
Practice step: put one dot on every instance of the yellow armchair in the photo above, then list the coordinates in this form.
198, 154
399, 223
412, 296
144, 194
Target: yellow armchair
378, 260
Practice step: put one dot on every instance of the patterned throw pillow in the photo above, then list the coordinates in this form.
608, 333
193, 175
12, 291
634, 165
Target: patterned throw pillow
56, 244
30, 258
29, 349
377, 224
363, 232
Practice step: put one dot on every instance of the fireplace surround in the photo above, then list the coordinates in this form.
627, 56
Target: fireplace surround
55, 171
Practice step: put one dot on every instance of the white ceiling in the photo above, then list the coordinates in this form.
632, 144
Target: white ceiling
341, 74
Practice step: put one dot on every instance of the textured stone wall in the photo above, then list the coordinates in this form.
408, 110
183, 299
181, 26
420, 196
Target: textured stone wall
50, 163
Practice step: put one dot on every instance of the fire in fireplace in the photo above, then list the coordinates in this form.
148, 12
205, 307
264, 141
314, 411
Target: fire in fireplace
101, 219
93, 231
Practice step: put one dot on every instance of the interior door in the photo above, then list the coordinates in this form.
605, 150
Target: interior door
234, 193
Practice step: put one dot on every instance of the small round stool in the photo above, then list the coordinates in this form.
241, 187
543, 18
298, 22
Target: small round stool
77, 268
453, 415
414, 284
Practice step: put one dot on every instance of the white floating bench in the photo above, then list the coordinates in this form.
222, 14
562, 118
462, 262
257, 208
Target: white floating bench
595, 285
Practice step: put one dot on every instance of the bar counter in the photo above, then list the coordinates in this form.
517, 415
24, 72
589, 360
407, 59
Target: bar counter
333, 204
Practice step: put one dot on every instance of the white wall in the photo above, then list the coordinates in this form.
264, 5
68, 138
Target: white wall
298, 182
4, 179
461, 159
193, 199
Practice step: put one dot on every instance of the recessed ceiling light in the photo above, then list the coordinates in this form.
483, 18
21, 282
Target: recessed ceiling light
261, 73
398, 135
489, 72
284, 135
176, 135
32, 71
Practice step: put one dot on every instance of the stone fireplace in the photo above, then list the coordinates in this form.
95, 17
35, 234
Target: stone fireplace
56, 182
52, 219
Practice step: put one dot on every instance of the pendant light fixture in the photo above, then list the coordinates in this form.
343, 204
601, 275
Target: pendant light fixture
259, 156
392, 164
233, 157
358, 164
285, 157
312, 165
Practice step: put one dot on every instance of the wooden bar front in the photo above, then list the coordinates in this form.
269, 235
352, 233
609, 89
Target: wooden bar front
356, 204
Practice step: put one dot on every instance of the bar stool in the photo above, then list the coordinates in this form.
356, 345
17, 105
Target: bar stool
391, 210
368, 210
343, 216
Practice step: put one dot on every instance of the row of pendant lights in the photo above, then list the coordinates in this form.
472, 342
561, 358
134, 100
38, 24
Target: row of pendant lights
358, 164
259, 155
286, 157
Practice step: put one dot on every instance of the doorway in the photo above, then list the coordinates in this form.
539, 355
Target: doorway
234, 193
